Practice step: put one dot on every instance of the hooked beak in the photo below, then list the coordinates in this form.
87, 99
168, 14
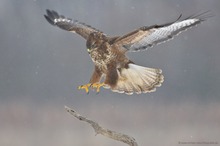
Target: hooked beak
88, 50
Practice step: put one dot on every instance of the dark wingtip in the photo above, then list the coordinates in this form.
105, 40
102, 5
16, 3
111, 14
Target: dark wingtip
55, 14
202, 16
49, 20
179, 17
51, 15
48, 11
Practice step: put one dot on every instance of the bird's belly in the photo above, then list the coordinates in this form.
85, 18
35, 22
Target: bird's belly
100, 63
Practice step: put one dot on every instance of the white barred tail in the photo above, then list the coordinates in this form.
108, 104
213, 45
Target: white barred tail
138, 79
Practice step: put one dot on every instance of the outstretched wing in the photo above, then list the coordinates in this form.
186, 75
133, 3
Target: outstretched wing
146, 37
68, 24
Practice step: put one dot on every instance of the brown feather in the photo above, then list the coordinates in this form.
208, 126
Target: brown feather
96, 76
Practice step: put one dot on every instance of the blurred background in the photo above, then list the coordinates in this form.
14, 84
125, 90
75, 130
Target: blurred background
41, 67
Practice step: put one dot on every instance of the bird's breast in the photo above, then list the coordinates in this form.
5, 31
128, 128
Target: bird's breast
101, 56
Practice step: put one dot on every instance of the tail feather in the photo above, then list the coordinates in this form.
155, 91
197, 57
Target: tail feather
138, 79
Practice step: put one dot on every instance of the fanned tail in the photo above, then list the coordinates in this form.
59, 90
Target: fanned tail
138, 79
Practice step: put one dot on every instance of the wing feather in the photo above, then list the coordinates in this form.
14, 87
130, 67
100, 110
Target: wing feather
69, 24
146, 37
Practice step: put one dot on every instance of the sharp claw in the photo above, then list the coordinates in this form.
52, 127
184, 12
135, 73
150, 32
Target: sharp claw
97, 86
98, 89
94, 85
85, 87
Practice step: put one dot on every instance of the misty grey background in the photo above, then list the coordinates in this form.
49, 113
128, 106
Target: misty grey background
41, 67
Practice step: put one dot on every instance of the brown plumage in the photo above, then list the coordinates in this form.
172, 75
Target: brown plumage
108, 53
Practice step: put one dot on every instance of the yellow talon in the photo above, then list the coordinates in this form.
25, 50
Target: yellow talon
97, 86
86, 87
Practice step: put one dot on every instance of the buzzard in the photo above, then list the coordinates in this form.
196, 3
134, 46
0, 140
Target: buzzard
120, 74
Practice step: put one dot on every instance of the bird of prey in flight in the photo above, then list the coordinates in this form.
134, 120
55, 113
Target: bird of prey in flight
108, 54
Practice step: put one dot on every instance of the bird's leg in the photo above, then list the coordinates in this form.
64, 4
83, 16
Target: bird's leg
97, 85
96, 76
86, 87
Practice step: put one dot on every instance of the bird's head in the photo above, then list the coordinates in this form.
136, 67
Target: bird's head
95, 40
